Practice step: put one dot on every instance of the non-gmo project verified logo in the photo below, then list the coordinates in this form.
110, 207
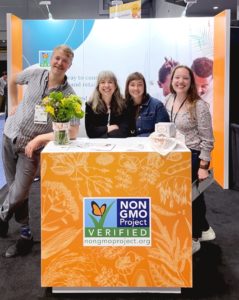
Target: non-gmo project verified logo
117, 221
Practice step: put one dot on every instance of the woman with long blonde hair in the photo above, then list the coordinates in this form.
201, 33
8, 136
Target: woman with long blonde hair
106, 113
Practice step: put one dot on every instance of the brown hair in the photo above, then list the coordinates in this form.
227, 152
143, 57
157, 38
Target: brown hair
192, 95
192, 91
117, 102
66, 49
166, 69
131, 77
202, 67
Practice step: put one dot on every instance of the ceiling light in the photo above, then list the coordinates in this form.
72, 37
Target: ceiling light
215, 7
48, 10
50, 16
189, 3
116, 2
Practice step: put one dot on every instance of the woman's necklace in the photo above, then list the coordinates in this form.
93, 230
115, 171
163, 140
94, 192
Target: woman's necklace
175, 116
108, 112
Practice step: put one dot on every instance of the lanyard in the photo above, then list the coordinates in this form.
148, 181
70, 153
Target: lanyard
175, 116
46, 91
45, 80
44, 94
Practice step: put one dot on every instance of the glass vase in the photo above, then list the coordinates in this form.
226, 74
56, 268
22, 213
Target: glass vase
61, 133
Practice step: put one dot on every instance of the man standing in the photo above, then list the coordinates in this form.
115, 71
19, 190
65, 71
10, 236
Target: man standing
3, 83
24, 138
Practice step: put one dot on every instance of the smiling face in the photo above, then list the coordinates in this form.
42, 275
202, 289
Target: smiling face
181, 81
136, 90
60, 62
107, 88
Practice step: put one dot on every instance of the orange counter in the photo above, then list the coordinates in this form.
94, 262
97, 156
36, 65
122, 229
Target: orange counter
115, 216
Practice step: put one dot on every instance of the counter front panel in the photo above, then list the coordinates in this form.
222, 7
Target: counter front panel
116, 219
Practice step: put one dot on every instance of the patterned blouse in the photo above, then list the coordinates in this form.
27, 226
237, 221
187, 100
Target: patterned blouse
196, 127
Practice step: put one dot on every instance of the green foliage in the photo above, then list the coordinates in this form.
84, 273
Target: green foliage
63, 108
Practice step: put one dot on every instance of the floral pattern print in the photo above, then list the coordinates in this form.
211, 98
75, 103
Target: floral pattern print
69, 177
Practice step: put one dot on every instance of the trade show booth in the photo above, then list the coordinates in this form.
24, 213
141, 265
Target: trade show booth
116, 215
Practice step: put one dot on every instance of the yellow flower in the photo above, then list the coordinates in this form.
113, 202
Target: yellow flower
78, 108
63, 108
45, 101
50, 110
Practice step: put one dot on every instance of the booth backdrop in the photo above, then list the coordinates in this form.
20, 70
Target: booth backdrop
126, 46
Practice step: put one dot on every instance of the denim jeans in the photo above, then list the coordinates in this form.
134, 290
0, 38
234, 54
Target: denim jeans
19, 172
199, 221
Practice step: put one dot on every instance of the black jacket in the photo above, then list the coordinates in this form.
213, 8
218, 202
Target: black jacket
96, 124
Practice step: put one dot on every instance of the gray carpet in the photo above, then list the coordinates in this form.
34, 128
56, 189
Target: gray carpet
216, 265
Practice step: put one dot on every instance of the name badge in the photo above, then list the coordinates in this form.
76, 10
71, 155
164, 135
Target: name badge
40, 116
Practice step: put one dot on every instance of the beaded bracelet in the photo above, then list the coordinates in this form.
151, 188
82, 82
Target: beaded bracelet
205, 167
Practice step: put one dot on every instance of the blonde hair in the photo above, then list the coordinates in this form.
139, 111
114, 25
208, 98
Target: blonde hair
66, 49
96, 102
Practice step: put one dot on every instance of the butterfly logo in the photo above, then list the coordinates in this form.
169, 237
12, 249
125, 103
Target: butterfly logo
98, 210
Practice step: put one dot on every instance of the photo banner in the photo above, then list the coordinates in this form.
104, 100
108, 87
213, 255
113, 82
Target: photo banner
128, 45
122, 46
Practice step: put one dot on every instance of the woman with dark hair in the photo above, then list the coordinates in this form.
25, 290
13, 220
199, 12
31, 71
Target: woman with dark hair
106, 113
192, 118
145, 111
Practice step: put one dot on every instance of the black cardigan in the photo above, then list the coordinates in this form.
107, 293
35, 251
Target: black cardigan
96, 124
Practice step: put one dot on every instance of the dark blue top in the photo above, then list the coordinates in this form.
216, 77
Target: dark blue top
145, 116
